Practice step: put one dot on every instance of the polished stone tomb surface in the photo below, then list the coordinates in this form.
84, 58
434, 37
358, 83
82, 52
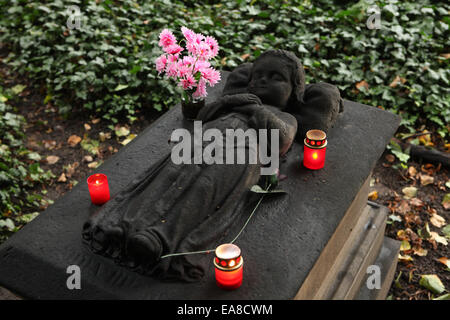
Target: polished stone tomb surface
280, 245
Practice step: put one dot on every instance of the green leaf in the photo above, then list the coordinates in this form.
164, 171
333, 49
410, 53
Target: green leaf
397, 281
27, 217
90, 145
34, 156
432, 283
446, 231
8, 224
446, 201
258, 189
424, 233
18, 88
443, 297
122, 131
395, 218
121, 87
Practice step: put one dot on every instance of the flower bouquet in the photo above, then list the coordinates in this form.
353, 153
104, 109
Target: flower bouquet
192, 72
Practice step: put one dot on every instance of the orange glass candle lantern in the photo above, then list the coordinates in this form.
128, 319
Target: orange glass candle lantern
228, 265
314, 149
98, 188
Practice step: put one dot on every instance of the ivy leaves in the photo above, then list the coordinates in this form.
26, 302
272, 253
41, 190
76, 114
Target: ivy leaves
107, 65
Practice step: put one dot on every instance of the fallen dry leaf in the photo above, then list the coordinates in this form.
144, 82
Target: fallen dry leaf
87, 127
373, 195
403, 207
49, 144
397, 81
401, 235
404, 258
419, 251
121, 131
416, 202
412, 218
62, 178
445, 261
73, 140
412, 171
93, 165
405, 245
362, 84
409, 192
95, 121
426, 179
390, 158
70, 169
436, 237
437, 221
425, 139
415, 239
52, 159
103, 136
88, 158
128, 139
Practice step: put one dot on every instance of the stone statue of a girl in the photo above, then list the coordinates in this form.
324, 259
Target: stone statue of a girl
189, 207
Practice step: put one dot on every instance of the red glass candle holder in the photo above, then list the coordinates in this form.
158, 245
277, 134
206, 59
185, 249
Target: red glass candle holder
314, 149
228, 264
98, 188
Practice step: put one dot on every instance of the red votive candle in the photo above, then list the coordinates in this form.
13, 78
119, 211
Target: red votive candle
98, 188
314, 149
228, 265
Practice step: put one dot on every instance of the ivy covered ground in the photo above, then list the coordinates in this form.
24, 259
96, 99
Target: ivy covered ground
70, 98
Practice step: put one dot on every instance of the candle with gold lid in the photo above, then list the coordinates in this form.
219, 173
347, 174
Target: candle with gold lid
314, 149
228, 264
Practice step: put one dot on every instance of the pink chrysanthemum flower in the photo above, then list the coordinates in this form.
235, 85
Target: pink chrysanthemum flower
188, 82
183, 70
199, 38
201, 90
213, 46
203, 51
188, 61
172, 69
200, 65
161, 63
211, 76
188, 34
172, 58
173, 49
166, 38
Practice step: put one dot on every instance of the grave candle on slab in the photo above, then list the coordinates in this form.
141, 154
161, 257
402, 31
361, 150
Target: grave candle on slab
228, 265
98, 188
314, 149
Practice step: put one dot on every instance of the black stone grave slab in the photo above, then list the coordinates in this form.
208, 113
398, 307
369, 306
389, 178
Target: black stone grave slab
280, 245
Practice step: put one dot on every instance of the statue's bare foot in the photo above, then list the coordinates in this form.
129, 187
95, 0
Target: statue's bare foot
104, 240
144, 249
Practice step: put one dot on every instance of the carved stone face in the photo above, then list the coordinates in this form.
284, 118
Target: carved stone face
271, 81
